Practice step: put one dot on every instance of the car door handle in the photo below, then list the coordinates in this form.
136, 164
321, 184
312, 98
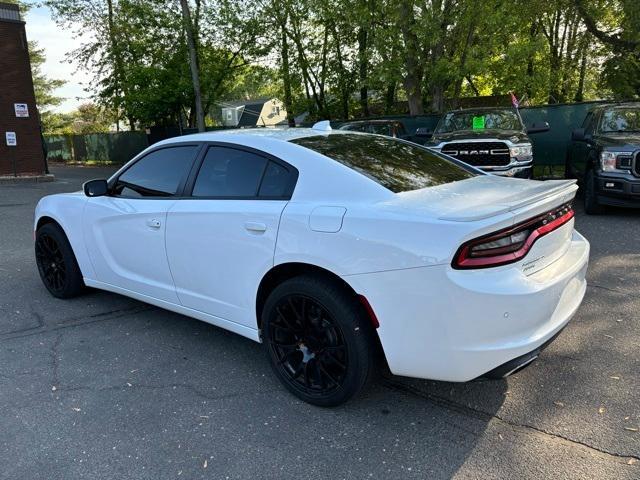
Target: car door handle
153, 223
255, 227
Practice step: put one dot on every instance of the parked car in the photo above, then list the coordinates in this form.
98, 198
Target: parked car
327, 246
390, 128
603, 156
492, 139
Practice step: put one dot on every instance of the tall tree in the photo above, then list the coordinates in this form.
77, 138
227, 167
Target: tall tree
193, 63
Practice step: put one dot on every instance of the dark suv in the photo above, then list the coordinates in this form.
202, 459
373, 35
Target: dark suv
603, 156
492, 139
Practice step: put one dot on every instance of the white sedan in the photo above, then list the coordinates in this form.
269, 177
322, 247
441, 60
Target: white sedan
327, 246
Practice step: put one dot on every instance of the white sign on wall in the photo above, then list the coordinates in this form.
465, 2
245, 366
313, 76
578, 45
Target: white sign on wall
12, 140
22, 110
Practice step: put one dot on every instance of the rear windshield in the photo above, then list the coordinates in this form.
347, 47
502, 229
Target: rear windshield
397, 165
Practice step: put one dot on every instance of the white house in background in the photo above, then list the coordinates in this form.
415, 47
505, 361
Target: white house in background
254, 113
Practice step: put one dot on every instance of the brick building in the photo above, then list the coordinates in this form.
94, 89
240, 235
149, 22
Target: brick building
21, 150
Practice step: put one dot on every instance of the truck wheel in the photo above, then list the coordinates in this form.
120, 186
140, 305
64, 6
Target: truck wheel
591, 205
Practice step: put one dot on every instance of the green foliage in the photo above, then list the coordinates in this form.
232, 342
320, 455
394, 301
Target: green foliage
87, 118
345, 58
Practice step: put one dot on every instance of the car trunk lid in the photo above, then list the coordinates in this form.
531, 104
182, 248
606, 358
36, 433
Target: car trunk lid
485, 196
487, 204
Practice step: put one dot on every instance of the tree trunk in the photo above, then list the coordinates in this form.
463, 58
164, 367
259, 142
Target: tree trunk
286, 77
579, 96
390, 98
117, 67
343, 74
412, 81
533, 32
472, 85
193, 63
437, 98
437, 88
463, 62
363, 73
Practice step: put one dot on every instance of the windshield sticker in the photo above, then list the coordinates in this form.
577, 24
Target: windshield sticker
478, 123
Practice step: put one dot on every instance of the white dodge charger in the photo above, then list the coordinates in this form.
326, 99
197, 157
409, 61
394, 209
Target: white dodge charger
327, 246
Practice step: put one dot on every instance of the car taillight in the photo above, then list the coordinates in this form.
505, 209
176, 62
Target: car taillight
511, 244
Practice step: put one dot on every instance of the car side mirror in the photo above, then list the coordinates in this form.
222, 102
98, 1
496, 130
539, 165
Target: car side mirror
578, 135
95, 188
538, 127
424, 132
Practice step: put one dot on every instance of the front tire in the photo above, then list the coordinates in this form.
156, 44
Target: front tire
56, 262
318, 340
591, 204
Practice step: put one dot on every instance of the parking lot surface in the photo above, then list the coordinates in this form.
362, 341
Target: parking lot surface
103, 387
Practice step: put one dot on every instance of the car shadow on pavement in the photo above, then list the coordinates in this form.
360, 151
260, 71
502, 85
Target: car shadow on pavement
169, 387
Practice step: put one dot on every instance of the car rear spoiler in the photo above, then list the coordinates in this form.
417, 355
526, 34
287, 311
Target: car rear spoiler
563, 190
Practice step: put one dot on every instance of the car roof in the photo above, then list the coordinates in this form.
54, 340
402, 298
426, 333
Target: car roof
284, 134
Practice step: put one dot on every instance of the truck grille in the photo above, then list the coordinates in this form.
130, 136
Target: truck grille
636, 163
479, 154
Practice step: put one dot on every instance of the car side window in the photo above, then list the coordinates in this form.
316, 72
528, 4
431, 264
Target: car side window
587, 124
357, 127
229, 172
157, 174
382, 129
276, 181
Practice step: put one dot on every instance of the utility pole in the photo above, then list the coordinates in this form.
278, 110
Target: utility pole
193, 63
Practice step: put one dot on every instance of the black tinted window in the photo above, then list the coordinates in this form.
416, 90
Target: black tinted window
228, 172
158, 174
276, 181
397, 165
355, 127
381, 129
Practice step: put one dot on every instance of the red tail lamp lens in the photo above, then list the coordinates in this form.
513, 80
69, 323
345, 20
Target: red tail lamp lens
511, 244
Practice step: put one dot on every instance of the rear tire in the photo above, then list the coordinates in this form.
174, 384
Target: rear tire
591, 204
56, 262
318, 340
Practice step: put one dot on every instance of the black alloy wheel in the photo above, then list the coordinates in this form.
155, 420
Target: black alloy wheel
51, 262
56, 262
317, 340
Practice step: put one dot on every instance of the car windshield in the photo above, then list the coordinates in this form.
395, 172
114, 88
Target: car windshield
397, 165
621, 120
503, 119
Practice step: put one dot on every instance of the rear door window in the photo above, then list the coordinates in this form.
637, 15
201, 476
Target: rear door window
276, 181
229, 172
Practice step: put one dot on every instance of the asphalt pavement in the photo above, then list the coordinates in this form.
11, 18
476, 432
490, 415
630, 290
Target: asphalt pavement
103, 387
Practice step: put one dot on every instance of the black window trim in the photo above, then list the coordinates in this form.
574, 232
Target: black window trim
191, 179
183, 182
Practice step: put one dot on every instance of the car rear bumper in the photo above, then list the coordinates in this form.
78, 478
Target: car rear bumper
618, 191
452, 325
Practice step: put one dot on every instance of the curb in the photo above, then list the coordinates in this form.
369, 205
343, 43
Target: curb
10, 180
